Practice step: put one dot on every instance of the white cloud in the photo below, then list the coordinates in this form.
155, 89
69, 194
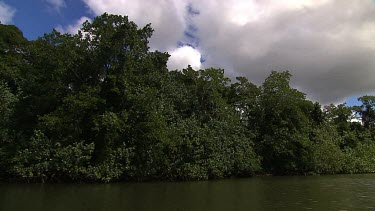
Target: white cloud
73, 28
167, 17
6, 13
327, 45
56, 4
184, 56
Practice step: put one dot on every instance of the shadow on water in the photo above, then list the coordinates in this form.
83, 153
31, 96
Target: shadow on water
337, 192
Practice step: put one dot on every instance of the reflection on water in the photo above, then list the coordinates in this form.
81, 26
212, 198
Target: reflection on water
340, 192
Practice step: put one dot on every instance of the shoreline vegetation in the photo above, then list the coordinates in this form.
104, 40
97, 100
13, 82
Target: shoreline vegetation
98, 106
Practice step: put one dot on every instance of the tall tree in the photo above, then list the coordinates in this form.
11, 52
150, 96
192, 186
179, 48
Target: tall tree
366, 110
244, 96
12, 51
283, 138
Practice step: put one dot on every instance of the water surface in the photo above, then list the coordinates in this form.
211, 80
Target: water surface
338, 192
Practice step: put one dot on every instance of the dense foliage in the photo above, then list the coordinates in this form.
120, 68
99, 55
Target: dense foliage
99, 106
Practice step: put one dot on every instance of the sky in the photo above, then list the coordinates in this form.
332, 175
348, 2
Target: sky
327, 45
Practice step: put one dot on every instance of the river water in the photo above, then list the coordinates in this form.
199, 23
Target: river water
337, 192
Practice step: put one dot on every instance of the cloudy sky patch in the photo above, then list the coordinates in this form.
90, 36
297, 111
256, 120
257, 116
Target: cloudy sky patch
6, 13
55, 5
73, 28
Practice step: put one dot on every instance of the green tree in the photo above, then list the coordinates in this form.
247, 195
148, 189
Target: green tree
283, 139
244, 96
340, 116
326, 156
7, 134
12, 51
366, 110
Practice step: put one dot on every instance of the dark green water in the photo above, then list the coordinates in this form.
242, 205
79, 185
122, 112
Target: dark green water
340, 192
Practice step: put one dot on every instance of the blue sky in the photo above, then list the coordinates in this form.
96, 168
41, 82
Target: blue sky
36, 17
327, 45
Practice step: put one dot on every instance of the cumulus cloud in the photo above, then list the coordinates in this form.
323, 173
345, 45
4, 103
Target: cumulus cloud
55, 4
184, 56
166, 17
327, 45
73, 28
6, 13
